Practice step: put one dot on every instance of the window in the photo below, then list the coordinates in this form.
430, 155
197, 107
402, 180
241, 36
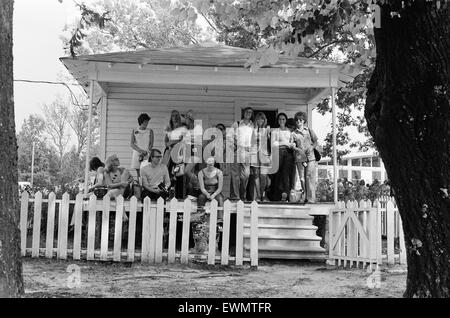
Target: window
322, 163
323, 173
356, 162
356, 175
375, 161
366, 162
343, 162
376, 175
343, 174
330, 163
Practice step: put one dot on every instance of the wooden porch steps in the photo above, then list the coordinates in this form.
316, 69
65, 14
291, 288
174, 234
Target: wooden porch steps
286, 232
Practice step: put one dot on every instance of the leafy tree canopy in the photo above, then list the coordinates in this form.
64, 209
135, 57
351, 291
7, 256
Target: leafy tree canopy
129, 25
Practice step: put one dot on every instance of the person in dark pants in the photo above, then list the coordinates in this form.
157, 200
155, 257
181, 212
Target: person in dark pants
281, 138
240, 137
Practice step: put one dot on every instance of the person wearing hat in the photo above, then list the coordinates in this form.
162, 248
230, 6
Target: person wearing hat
142, 139
240, 137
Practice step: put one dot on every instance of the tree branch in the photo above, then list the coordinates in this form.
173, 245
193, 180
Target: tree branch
209, 22
327, 45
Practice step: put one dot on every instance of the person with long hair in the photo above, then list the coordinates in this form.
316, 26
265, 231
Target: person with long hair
281, 138
260, 160
117, 178
171, 136
174, 134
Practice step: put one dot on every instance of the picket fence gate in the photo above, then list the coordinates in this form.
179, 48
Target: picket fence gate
153, 219
357, 231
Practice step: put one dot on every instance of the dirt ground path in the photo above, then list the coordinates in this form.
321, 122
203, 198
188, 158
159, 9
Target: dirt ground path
272, 279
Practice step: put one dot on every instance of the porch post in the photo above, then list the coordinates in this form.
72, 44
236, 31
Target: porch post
333, 108
88, 146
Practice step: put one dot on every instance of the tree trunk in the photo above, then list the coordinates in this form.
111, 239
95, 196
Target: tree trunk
408, 115
11, 281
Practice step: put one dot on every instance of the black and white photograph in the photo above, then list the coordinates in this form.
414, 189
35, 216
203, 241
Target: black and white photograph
225, 155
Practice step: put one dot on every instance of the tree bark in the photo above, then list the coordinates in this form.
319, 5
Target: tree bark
11, 281
408, 115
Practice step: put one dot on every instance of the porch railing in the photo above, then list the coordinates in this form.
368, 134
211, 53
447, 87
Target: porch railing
159, 226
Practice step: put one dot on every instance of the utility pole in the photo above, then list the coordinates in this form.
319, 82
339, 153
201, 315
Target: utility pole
32, 165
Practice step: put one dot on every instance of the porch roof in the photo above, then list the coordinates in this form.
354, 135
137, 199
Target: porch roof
206, 64
199, 55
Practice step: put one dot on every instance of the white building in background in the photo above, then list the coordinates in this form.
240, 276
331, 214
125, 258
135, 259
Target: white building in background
366, 166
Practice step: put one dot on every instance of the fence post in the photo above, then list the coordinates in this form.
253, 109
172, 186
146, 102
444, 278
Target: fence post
78, 217
212, 233
186, 229
365, 245
352, 234
376, 227
36, 225
132, 229
50, 226
374, 234
117, 251
226, 233
254, 234
172, 231
331, 234
91, 228
105, 229
63, 226
24, 223
159, 230
239, 231
146, 255
390, 232
401, 235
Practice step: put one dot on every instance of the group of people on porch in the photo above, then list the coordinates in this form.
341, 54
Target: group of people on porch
249, 143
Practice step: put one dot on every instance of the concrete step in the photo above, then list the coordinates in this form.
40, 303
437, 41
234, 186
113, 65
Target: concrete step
292, 255
309, 249
282, 252
276, 242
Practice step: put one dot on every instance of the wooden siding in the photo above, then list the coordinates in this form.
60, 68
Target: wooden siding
213, 104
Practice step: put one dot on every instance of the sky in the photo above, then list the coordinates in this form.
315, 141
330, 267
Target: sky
37, 49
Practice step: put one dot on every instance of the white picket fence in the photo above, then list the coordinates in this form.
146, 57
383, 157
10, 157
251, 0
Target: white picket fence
154, 215
358, 230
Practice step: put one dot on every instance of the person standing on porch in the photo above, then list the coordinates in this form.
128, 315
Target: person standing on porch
260, 159
240, 137
155, 177
141, 142
281, 138
192, 148
305, 141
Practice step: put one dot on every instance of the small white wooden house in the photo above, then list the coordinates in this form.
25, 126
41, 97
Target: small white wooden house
213, 81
